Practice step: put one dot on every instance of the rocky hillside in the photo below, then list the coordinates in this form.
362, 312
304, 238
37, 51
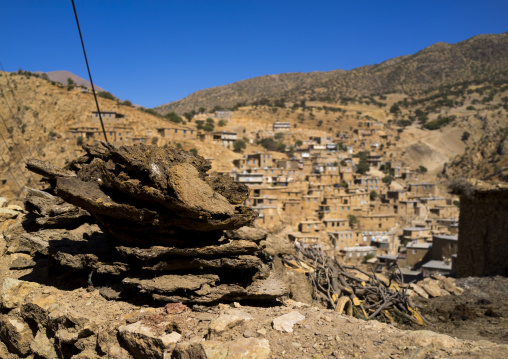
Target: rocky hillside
480, 59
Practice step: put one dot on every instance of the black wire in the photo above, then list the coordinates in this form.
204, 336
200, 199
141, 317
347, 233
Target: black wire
89, 74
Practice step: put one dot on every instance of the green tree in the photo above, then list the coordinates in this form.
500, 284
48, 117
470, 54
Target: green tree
221, 123
352, 220
279, 136
298, 143
193, 150
173, 117
239, 145
127, 103
465, 136
363, 166
80, 140
155, 139
395, 108
208, 127
373, 195
387, 179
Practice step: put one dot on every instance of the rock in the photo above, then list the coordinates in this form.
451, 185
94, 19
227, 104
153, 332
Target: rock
146, 341
42, 346
431, 287
3, 202
228, 248
21, 261
227, 321
286, 322
418, 290
6, 213
13, 291
448, 285
251, 348
16, 335
248, 233
425, 338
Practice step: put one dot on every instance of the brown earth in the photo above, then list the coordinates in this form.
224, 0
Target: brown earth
480, 313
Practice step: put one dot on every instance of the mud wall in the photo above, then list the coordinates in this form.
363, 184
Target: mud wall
483, 234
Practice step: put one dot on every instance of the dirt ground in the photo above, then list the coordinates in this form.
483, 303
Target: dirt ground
480, 313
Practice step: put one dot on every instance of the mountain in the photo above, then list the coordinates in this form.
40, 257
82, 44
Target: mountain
483, 58
62, 76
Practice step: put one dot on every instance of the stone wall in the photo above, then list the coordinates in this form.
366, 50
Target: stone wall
483, 233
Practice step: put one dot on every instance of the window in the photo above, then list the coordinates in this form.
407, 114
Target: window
414, 251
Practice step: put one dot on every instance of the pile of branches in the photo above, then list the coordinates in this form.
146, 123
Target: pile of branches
344, 289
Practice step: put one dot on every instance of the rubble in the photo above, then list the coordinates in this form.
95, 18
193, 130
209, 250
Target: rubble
41, 321
146, 222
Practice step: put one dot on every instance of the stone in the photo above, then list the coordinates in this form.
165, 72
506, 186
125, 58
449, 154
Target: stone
286, 322
227, 248
6, 213
16, 335
146, 341
42, 346
431, 287
246, 348
13, 291
418, 290
448, 285
21, 261
3, 202
227, 321
251, 348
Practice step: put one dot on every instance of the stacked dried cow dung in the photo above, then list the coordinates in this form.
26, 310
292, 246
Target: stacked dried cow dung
153, 221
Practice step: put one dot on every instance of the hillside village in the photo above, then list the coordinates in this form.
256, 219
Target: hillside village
341, 177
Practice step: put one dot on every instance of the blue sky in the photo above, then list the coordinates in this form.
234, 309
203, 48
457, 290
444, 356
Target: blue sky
154, 52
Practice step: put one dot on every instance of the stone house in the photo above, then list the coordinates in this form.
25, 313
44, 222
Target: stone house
376, 222
356, 255
417, 254
444, 246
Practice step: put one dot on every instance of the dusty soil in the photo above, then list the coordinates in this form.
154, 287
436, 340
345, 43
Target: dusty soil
480, 313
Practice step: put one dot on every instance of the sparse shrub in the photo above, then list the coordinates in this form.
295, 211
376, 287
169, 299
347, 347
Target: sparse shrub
106, 94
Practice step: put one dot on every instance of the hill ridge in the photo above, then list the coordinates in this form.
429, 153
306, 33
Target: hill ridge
480, 58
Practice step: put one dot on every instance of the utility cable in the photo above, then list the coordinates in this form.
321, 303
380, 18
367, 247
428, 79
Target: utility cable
89, 73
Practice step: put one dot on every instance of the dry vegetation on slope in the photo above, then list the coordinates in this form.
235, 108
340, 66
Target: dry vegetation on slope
476, 60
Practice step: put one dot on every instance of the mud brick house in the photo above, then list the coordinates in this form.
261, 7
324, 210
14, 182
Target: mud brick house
444, 246
343, 239
224, 138
281, 127
422, 189
383, 222
418, 234
334, 224
107, 116
357, 255
417, 254
437, 267
483, 231
304, 238
174, 133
